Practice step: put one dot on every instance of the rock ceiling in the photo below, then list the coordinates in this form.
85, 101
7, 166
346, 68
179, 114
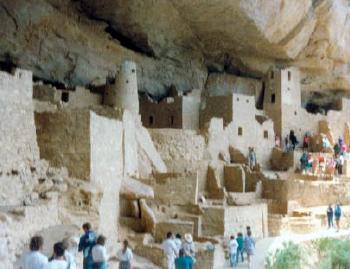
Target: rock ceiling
177, 41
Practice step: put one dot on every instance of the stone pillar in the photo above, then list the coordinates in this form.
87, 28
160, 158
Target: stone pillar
123, 93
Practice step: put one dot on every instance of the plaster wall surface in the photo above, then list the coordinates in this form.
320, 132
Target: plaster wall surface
130, 145
190, 112
107, 169
17, 128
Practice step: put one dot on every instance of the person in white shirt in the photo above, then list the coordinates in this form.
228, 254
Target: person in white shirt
178, 243
58, 261
34, 259
170, 250
232, 246
99, 254
125, 256
71, 250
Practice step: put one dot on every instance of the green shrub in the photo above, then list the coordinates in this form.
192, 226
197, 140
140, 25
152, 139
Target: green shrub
333, 253
290, 256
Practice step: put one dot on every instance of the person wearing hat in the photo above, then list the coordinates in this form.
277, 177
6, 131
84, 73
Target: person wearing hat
188, 246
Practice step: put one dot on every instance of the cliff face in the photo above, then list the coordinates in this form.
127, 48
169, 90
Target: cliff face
177, 41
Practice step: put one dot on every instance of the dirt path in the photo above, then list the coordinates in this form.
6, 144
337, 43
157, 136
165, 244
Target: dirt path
270, 244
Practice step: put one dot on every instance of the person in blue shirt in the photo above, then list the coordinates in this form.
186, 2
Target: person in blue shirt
183, 261
337, 215
86, 243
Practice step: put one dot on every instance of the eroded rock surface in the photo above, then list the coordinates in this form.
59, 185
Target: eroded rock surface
177, 42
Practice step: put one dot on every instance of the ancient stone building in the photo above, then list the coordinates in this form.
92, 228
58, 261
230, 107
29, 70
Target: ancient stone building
282, 99
180, 112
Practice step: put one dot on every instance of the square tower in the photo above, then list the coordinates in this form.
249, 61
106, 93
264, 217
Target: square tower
282, 99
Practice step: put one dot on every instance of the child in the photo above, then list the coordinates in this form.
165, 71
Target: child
233, 245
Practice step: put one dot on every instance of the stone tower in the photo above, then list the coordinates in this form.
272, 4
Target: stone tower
124, 93
282, 99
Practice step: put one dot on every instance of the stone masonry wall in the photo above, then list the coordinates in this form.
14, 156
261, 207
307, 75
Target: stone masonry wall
64, 140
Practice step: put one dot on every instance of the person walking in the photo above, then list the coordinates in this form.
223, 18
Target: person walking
240, 248
58, 261
330, 216
251, 158
232, 246
170, 250
34, 259
183, 261
125, 256
249, 245
99, 254
293, 140
337, 215
86, 243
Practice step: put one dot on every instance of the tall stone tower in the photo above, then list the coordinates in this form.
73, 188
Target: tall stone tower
282, 99
124, 93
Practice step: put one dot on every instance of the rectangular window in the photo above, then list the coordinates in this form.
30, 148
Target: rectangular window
273, 98
266, 134
150, 120
240, 131
272, 74
65, 97
289, 75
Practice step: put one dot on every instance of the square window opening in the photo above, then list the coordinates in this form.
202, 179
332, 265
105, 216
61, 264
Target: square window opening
65, 97
273, 98
240, 131
266, 134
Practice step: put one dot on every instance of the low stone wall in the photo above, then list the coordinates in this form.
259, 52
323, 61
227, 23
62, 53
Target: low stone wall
176, 189
174, 226
219, 220
175, 144
307, 193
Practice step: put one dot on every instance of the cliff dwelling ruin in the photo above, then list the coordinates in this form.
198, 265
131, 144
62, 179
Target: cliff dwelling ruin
143, 125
